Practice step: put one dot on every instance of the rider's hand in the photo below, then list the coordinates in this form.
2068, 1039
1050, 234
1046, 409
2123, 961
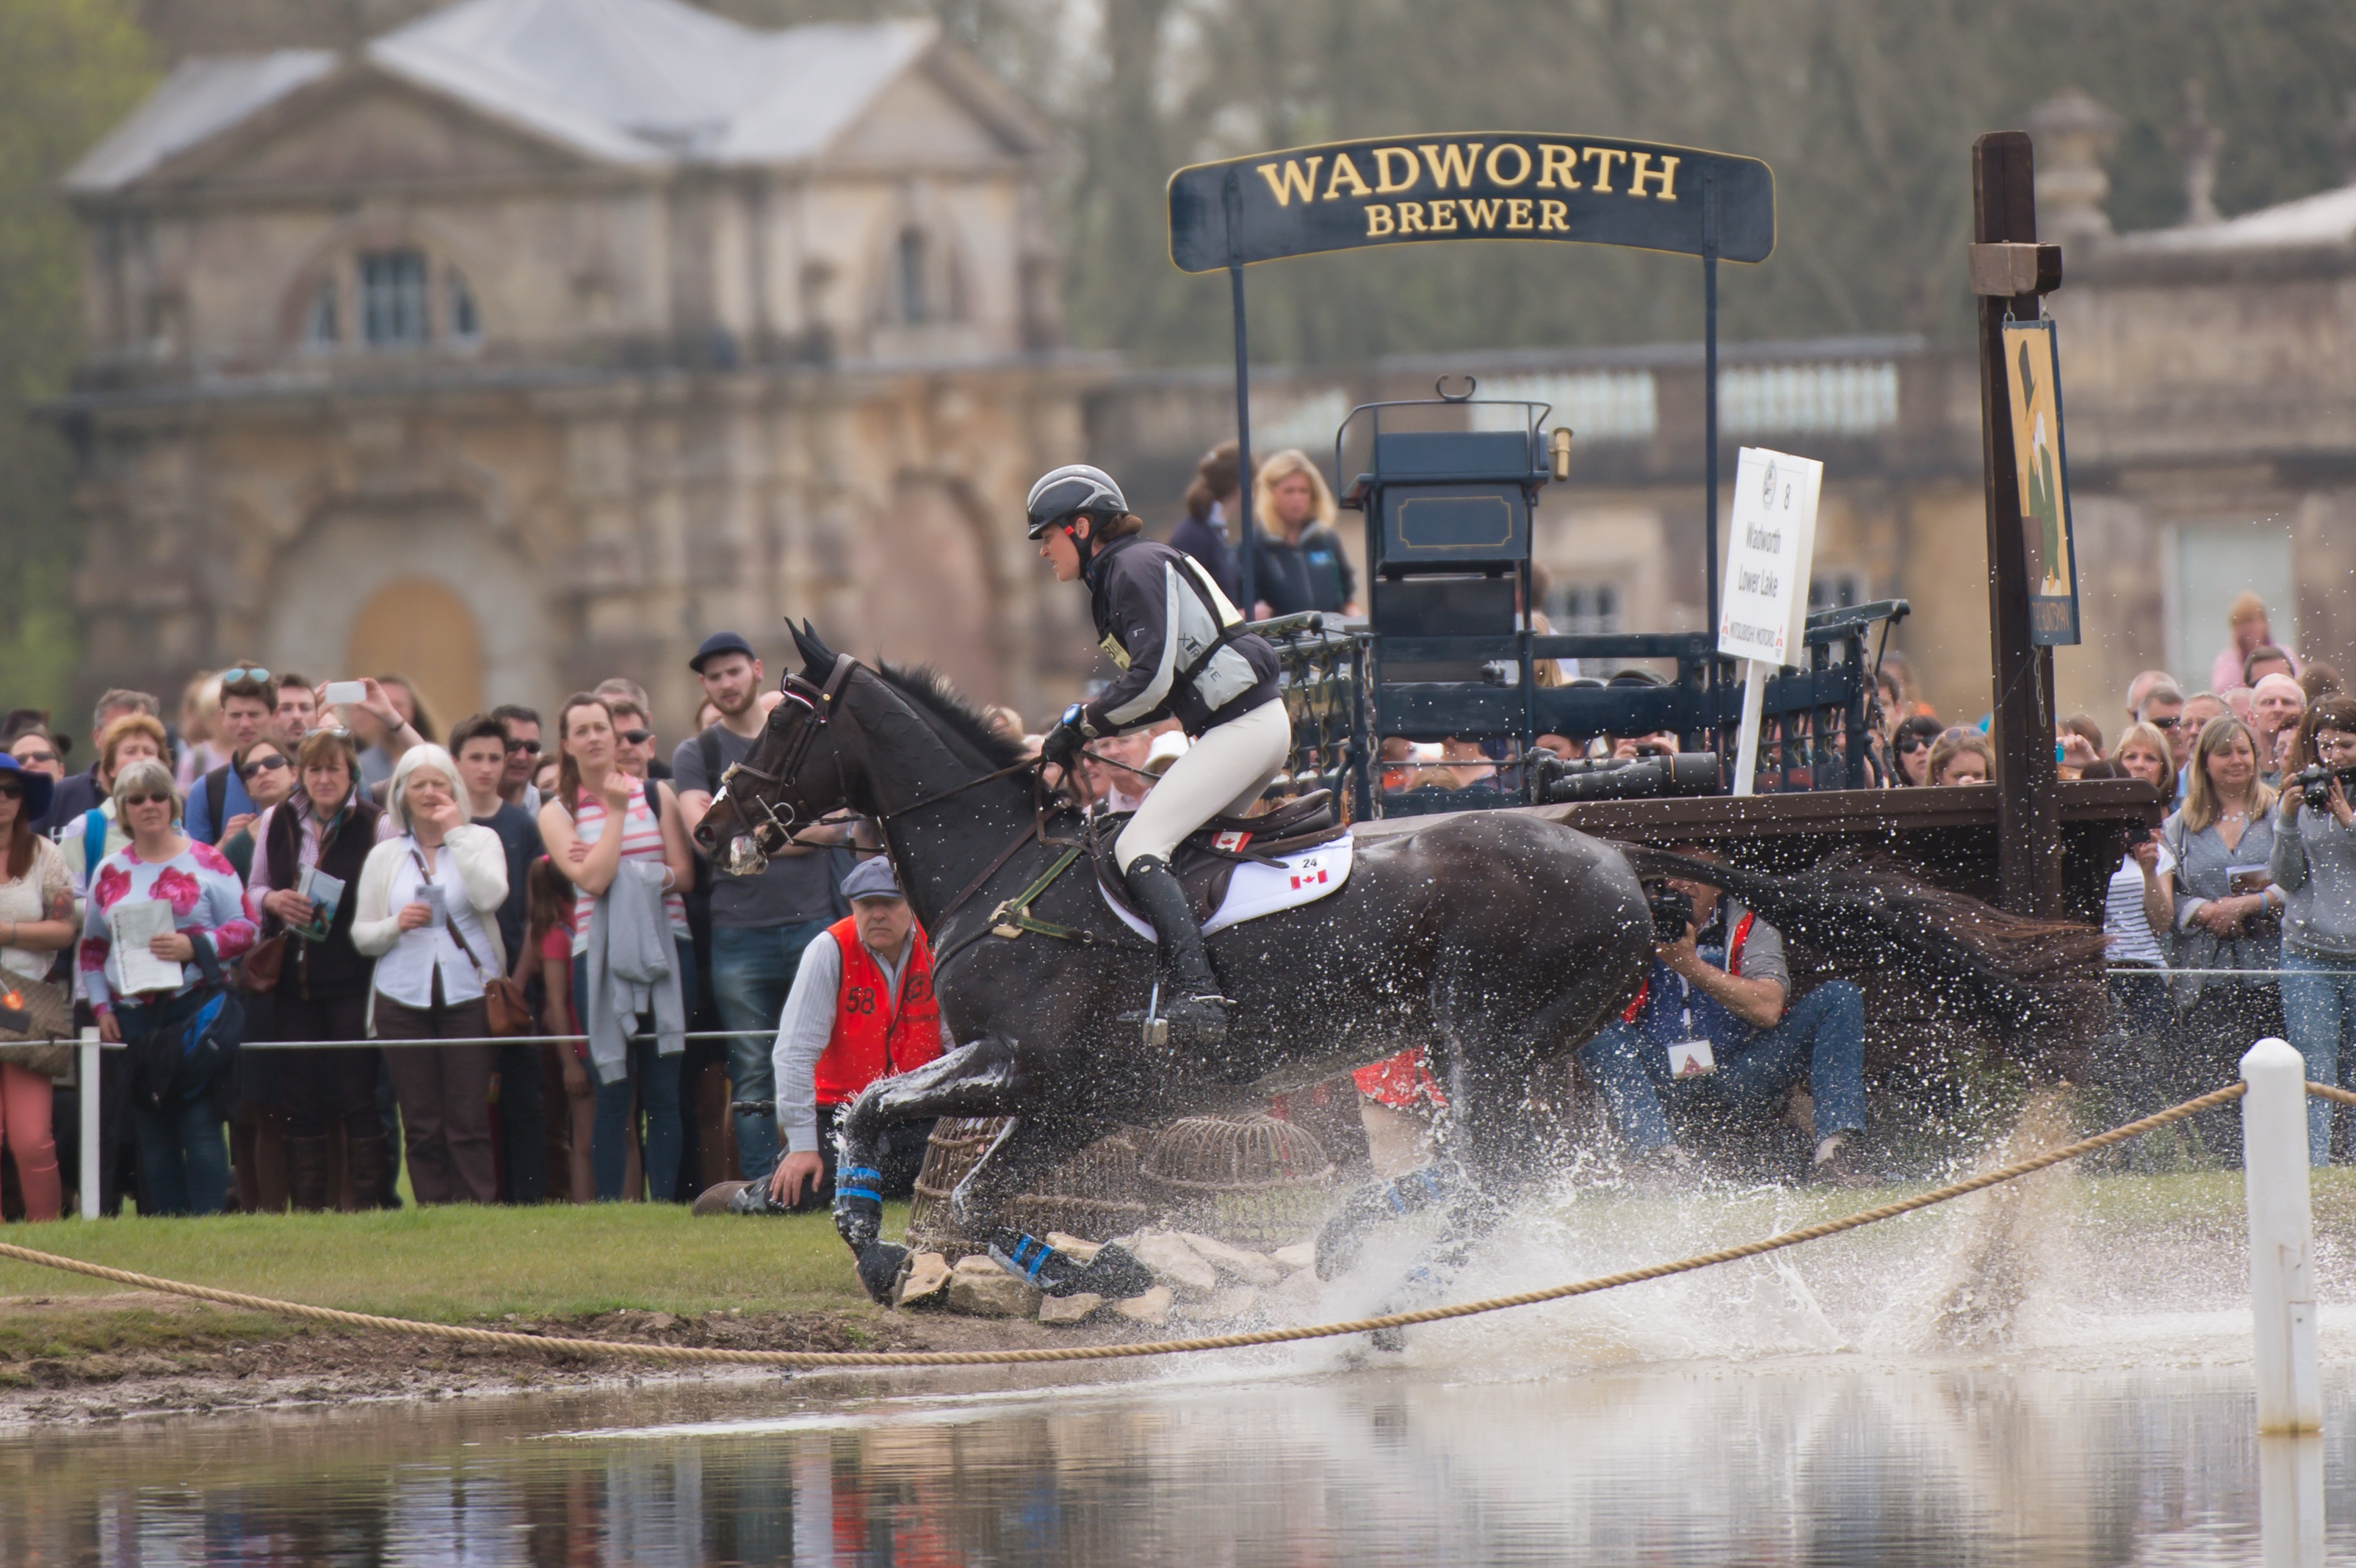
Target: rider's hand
1062, 743
795, 1172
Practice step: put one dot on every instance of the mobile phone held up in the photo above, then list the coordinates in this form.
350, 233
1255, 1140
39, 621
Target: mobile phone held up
345, 694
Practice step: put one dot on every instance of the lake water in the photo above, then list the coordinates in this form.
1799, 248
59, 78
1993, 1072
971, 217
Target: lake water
2061, 1382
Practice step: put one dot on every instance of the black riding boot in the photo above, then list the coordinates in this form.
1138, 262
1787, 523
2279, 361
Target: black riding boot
1191, 1003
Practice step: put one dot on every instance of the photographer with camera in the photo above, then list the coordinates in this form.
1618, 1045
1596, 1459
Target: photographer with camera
1716, 1025
2314, 868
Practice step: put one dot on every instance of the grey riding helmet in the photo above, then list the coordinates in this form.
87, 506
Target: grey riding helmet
1074, 488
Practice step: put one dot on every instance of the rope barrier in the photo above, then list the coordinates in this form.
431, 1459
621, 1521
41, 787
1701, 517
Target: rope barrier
812, 1359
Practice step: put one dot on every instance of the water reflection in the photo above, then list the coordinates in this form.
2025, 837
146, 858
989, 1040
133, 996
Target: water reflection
1832, 1462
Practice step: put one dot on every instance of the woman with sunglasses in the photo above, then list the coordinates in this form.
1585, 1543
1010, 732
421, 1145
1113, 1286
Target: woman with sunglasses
183, 1163
325, 825
36, 925
579, 826
266, 773
1909, 746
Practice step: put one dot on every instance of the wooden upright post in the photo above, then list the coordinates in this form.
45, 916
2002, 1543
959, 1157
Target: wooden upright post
2029, 842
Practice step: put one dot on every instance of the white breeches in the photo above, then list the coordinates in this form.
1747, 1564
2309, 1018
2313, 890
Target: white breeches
1222, 773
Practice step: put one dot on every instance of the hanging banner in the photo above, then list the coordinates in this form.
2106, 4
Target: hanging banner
2032, 366
1496, 185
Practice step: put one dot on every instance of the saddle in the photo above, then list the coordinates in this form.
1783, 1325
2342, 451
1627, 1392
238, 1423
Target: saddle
1207, 857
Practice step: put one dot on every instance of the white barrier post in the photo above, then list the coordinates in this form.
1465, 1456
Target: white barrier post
86, 1095
2282, 1238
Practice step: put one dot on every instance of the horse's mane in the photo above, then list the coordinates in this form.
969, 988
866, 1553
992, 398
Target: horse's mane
954, 712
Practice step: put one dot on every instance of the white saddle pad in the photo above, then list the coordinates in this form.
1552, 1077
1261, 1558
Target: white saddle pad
1254, 890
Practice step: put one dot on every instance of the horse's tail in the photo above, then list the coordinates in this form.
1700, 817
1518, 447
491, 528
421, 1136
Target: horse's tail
2037, 985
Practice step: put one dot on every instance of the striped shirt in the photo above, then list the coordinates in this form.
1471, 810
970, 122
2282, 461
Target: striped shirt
641, 840
2123, 917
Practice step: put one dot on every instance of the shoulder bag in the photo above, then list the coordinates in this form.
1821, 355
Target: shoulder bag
180, 1046
40, 1043
507, 1010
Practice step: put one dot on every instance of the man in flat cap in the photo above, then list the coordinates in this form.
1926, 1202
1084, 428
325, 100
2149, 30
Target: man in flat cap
861, 1007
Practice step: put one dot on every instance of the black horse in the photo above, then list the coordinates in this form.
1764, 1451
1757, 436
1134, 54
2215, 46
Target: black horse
1499, 941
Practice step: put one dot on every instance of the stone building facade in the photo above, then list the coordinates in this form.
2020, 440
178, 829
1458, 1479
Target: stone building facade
536, 338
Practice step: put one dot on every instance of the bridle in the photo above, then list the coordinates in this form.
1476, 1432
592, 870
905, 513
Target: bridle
820, 702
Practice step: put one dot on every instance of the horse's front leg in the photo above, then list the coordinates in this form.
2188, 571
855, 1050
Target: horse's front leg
978, 1079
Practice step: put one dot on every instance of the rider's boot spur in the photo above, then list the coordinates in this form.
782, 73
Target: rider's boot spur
1191, 1007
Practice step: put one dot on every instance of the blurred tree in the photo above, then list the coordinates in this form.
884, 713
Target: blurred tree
68, 70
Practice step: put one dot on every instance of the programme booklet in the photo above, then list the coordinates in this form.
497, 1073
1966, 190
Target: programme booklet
131, 925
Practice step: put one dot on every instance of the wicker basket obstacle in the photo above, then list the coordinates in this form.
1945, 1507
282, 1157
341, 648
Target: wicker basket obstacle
1250, 1181
1093, 1195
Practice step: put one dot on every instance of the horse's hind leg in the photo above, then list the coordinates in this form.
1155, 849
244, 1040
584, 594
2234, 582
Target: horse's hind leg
978, 1079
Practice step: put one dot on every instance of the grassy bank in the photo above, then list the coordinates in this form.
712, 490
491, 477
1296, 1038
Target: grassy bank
461, 1264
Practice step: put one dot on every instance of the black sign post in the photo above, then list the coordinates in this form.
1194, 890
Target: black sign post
1498, 185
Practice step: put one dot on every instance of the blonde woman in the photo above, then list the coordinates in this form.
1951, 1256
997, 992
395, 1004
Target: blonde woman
1962, 757
2228, 911
1302, 565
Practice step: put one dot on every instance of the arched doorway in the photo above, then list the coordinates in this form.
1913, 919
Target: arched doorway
927, 592
419, 628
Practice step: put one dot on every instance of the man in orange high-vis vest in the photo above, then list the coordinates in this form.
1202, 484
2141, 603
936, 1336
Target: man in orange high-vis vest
861, 1007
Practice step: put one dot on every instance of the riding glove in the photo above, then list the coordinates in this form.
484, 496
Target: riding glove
1070, 734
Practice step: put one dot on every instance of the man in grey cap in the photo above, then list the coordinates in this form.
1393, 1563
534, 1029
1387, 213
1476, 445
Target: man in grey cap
861, 1007
760, 925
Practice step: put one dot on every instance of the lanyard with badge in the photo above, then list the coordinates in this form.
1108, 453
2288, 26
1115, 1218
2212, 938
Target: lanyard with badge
1689, 1056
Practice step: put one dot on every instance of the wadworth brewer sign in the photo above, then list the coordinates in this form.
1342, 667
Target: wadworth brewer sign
1472, 186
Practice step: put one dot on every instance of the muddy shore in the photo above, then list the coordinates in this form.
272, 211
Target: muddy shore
84, 1360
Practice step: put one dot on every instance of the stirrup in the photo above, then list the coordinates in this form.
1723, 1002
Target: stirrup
1154, 1023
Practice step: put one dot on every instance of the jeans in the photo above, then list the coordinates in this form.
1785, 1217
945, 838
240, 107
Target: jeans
654, 1078
2319, 996
183, 1158
752, 969
1822, 1034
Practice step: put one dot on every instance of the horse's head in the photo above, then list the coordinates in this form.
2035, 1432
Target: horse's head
795, 773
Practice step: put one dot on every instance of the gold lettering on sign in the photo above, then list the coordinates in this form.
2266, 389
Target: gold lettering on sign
1384, 183
1455, 160
1378, 220
1603, 155
1554, 218
1517, 212
1410, 216
1482, 213
1640, 170
1520, 152
1344, 169
1291, 182
1558, 167
1443, 217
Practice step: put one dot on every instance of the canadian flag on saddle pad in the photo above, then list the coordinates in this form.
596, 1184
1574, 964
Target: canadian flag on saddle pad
1254, 889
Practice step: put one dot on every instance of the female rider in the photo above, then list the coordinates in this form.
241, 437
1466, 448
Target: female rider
1183, 653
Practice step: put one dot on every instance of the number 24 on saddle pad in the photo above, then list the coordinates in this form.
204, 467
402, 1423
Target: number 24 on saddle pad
1254, 890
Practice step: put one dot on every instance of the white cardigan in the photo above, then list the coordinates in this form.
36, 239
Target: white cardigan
482, 862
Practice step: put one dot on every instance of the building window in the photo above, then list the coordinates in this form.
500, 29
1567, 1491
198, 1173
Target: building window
319, 327
912, 291
1585, 610
393, 298
465, 325
1836, 590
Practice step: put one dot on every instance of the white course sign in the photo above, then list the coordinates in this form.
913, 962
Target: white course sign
1763, 607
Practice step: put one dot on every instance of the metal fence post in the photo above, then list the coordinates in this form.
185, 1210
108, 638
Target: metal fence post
2282, 1238
85, 1096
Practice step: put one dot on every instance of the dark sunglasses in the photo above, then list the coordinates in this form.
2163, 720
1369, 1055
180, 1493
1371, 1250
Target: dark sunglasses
260, 765
2163, 723
529, 748
1908, 745
127, 801
635, 736
12, 788
39, 757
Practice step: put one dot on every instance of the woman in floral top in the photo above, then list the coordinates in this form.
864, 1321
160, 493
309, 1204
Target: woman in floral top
183, 1161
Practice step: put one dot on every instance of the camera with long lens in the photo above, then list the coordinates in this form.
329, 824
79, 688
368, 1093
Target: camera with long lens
1673, 910
1625, 778
2315, 785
